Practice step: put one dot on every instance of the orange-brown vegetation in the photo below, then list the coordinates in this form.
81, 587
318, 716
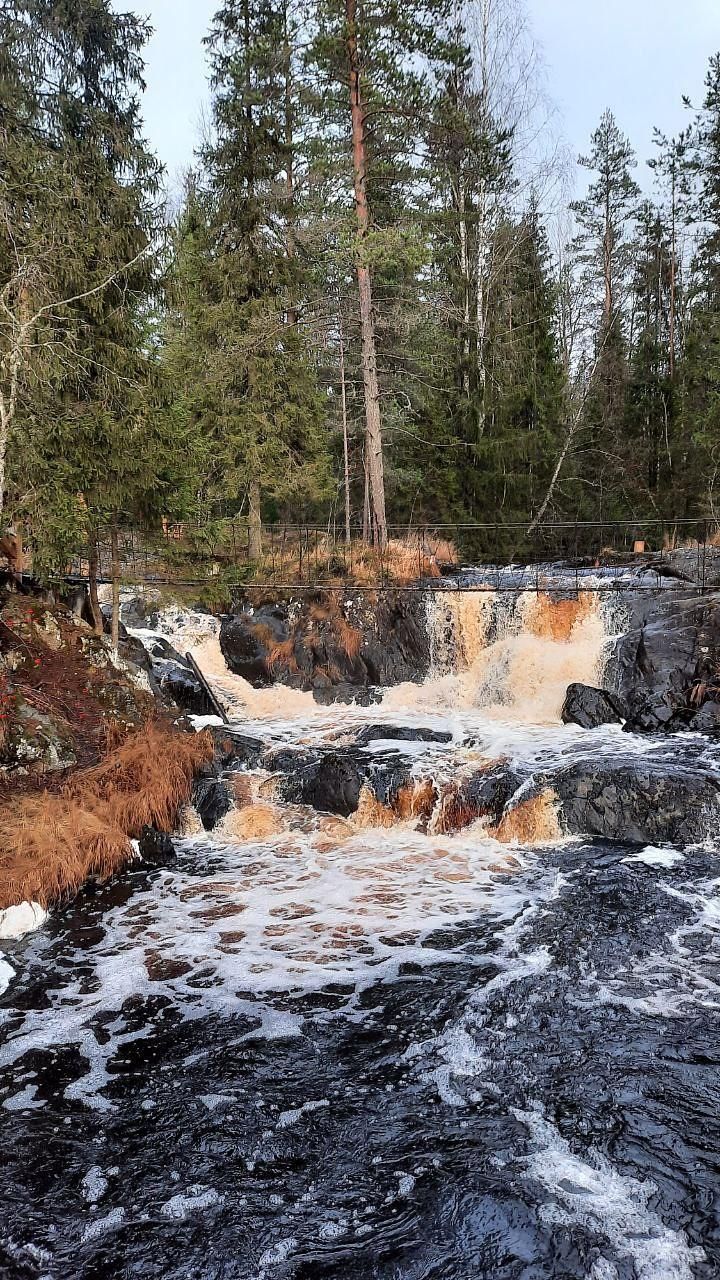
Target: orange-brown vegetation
281, 655
50, 843
328, 560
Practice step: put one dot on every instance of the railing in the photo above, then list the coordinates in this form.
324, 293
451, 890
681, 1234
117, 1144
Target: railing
505, 557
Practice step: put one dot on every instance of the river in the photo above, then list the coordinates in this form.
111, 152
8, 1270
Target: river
344, 1050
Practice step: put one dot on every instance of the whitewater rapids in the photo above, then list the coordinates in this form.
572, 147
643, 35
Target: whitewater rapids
326, 1048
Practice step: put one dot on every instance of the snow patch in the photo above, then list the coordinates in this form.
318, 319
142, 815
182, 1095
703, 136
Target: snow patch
15, 922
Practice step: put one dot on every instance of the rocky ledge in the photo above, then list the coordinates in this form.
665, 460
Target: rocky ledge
634, 799
339, 645
664, 673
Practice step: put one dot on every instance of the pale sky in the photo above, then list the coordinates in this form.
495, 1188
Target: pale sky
636, 56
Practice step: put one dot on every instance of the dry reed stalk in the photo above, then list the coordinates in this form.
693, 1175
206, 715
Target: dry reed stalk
281, 656
51, 843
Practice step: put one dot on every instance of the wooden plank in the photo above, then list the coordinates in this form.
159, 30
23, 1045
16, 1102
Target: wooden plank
214, 703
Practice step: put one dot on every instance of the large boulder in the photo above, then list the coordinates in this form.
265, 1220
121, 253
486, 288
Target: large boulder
249, 641
589, 707
338, 649
636, 801
666, 663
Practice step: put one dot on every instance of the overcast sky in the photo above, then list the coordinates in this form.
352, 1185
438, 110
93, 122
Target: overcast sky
637, 56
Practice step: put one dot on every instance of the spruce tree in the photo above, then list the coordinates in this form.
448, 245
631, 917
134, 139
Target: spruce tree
605, 219
267, 412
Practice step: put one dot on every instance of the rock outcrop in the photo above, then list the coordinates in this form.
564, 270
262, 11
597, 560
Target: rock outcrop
339, 649
667, 665
589, 708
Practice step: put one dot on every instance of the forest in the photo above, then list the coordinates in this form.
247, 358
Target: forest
374, 301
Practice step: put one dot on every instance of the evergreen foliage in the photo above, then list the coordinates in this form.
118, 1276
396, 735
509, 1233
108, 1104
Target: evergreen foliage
219, 364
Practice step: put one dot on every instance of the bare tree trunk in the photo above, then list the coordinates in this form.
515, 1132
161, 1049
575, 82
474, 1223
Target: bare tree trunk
93, 565
254, 522
291, 314
481, 305
373, 425
346, 459
608, 263
115, 574
673, 271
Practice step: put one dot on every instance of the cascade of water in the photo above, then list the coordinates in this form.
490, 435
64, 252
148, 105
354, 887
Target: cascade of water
513, 655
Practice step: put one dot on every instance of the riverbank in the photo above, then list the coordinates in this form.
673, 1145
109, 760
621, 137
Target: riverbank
92, 754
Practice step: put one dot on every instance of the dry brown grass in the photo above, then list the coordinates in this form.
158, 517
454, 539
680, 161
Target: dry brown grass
330, 561
51, 843
281, 655
349, 637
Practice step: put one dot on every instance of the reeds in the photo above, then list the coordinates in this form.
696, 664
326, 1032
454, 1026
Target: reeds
51, 843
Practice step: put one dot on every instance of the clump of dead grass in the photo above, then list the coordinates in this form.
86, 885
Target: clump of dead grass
51, 843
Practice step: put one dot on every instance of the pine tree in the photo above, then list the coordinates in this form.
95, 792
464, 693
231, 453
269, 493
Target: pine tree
375, 69
243, 276
604, 244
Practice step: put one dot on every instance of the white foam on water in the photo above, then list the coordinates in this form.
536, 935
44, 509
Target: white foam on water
96, 1182
195, 1199
653, 857
24, 1101
278, 1253
588, 1192
111, 1222
7, 973
671, 983
292, 914
288, 1118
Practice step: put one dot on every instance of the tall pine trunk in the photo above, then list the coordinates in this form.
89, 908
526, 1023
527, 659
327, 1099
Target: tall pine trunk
93, 567
346, 457
292, 313
373, 425
115, 573
254, 522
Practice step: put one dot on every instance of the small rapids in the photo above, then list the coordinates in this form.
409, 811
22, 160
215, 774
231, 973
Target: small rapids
318, 1048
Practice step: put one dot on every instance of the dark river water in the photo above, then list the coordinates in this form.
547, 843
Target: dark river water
313, 1050
537, 1096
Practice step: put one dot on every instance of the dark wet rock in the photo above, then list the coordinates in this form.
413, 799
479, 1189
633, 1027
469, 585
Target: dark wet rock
386, 776
156, 847
707, 719
642, 801
589, 707
179, 682
349, 694
237, 750
483, 795
212, 800
399, 733
331, 784
666, 664
247, 640
289, 759
333, 648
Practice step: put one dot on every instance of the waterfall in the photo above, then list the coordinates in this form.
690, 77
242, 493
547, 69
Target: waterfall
512, 655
